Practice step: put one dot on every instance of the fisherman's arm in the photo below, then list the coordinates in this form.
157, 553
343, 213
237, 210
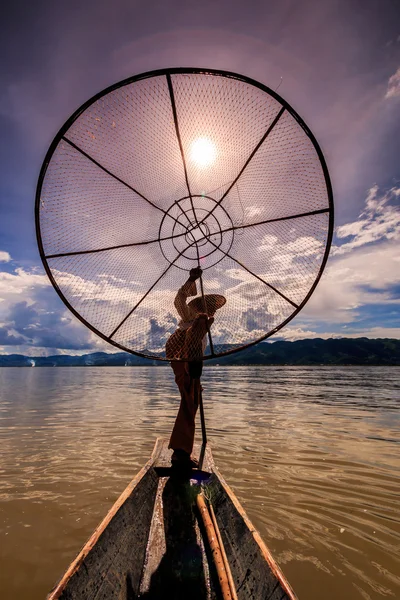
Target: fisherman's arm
188, 289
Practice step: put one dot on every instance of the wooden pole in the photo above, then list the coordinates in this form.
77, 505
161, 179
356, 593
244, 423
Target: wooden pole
225, 558
215, 548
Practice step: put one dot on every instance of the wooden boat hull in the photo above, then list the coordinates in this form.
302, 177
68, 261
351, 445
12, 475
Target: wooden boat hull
151, 544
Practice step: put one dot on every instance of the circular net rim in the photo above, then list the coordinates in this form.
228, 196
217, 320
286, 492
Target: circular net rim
169, 72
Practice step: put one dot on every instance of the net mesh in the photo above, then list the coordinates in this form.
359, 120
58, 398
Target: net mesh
172, 172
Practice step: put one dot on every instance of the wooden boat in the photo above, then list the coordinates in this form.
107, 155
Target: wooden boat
153, 543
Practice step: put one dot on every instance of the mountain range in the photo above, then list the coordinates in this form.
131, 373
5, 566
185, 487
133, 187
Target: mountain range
335, 351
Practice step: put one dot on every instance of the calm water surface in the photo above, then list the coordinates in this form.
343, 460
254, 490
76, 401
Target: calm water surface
313, 454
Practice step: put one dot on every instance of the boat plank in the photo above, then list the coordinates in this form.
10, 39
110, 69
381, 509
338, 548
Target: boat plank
254, 571
117, 545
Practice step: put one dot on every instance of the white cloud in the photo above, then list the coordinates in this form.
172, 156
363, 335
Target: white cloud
4, 256
364, 269
305, 246
213, 284
377, 332
363, 277
393, 88
252, 211
379, 221
20, 283
292, 334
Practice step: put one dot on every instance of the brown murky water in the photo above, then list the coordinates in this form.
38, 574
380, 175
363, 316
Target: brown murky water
312, 453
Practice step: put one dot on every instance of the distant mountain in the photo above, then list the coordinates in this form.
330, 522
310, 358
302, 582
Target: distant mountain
343, 351
97, 359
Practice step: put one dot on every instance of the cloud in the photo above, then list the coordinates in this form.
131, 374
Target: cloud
364, 270
253, 318
393, 89
4, 256
291, 334
213, 284
9, 338
159, 331
32, 316
20, 282
366, 276
40, 326
379, 221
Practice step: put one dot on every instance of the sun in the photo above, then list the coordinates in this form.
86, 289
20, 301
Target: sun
203, 152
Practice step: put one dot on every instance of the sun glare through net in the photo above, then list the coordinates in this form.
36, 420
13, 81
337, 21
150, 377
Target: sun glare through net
203, 152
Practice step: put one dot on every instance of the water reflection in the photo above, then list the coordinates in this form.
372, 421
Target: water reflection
313, 454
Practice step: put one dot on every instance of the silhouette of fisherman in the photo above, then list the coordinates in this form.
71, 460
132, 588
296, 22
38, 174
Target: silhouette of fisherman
184, 348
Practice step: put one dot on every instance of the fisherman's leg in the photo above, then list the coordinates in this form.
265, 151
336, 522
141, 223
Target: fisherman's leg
182, 436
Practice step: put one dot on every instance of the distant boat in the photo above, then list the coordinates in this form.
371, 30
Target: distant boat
175, 536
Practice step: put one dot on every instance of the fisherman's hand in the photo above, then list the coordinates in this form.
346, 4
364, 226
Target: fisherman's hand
195, 274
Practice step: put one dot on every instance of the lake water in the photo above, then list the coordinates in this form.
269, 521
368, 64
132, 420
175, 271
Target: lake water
313, 454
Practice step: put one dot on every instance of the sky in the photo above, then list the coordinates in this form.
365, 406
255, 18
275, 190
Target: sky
336, 62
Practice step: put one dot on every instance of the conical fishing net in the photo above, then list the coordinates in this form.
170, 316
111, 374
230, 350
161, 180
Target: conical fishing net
175, 170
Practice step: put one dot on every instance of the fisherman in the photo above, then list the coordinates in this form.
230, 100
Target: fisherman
189, 342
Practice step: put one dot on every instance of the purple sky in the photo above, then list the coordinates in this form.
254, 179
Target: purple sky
340, 64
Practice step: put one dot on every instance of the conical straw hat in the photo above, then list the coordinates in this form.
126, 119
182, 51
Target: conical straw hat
212, 301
